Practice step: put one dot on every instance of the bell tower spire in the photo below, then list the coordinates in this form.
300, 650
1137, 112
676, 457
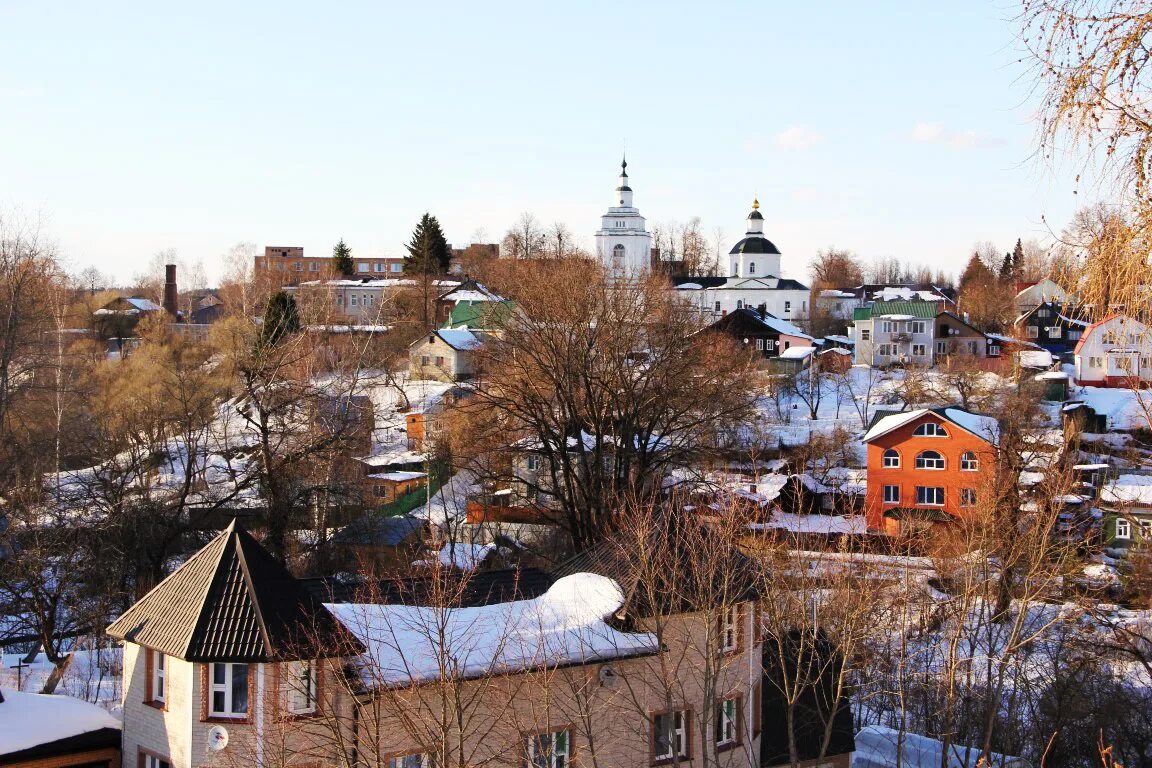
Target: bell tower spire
623, 242
623, 191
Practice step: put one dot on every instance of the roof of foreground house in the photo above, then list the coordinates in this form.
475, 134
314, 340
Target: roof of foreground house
984, 427
233, 602
38, 726
917, 309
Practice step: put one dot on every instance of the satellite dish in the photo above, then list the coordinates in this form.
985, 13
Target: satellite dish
608, 676
217, 738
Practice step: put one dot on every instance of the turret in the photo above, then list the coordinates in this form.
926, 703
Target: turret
623, 191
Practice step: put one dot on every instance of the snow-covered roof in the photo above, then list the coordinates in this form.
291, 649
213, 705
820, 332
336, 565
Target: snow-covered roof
796, 353
838, 339
782, 326
897, 317
880, 747
398, 477
393, 457
464, 556
1035, 358
832, 293
689, 287
984, 427
565, 625
904, 293
1128, 489
460, 338
787, 521
33, 719
1124, 409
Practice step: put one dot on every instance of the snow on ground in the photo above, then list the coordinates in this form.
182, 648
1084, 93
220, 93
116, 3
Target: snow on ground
881, 747
1126, 409
93, 675
814, 523
564, 625
31, 719
463, 556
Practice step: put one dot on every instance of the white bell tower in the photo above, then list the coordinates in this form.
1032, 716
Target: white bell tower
623, 243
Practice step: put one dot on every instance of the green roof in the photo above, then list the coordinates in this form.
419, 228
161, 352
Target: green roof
924, 309
478, 314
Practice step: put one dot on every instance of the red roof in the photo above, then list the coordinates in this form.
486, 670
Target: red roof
1088, 332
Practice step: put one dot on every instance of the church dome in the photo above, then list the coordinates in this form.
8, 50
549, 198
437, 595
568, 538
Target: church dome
755, 244
756, 215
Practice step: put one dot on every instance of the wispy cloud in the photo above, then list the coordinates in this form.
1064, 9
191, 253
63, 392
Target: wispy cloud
798, 137
937, 133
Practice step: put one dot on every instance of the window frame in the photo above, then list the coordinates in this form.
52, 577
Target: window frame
969, 462
885, 457
210, 688
939, 463
530, 739
156, 667
967, 497
1127, 534
923, 350
426, 760
292, 679
730, 627
681, 736
919, 496
937, 430
729, 722
896, 496
865, 334
148, 759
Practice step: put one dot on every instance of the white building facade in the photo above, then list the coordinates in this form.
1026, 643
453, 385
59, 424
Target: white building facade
1115, 352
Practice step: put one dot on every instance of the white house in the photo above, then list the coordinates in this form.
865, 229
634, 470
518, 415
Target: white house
1115, 352
445, 354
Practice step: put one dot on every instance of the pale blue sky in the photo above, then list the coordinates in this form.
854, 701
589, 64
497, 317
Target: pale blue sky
894, 129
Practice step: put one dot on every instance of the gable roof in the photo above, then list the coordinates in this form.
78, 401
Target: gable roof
1091, 329
918, 309
232, 602
471, 313
751, 321
984, 427
460, 339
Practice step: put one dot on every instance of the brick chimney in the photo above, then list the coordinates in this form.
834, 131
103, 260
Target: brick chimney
170, 289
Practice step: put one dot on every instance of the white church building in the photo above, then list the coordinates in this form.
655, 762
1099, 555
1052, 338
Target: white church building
624, 248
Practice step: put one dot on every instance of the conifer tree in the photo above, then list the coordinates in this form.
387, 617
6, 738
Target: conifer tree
342, 259
428, 252
281, 318
976, 273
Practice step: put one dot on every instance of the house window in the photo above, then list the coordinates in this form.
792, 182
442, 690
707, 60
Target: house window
727, 712
929, 460
930, 496
787, 307
354, 300
313, 267
883, 350
362, 266
730, 629
549, 750
152, 761
533, 462
1074, 335
891, 494
1145, 528
297, 266
917, 326
930, 429
411, 760
886, 326
941, 347
969, 462
378, 266
669, 736
229, 690
1054, 332
301, 681
1123, 528
1042, 312
993, 351
1033, 332
397, 267
891, 459
425, 359
918, 350
159, 673
1095, 362
865, 334
967, 497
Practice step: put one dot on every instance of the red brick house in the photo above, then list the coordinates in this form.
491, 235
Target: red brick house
927, 466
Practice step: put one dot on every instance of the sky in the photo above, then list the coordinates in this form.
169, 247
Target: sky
888, 128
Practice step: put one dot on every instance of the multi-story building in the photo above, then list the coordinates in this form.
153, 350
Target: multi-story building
1051, 325
895, 332
287, 265
230, 660
926, 466
364, 301
1115, 352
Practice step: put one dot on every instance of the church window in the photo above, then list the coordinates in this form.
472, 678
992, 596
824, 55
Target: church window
751, 267
717, 306
618, 251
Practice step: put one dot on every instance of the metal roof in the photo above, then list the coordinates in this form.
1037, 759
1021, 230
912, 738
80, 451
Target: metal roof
232, 602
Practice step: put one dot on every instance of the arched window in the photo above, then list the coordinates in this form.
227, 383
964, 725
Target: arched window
739, 304
930, 429
969, 462
891, 458
929, 460
751, 267
618, 252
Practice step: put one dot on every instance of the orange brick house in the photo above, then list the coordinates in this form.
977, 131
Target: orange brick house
927, 466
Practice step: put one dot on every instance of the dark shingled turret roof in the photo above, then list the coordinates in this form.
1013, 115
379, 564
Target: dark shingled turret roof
232, 602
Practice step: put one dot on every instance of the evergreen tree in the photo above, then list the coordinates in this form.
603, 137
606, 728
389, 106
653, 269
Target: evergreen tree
976, 273
428, 252
342, 259
281, 318
1008, 269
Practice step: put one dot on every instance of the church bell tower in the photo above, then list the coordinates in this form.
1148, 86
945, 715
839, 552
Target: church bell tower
623, 242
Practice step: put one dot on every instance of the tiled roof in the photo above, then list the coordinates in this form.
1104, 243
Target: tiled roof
924, 309
232, 602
